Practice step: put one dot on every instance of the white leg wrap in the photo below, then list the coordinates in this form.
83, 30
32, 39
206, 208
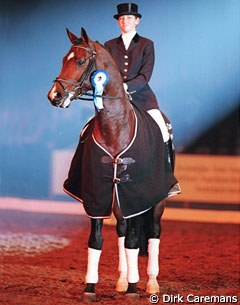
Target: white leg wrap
122, 283
122, 264
158, 118
153, 252
132, 264
92, 267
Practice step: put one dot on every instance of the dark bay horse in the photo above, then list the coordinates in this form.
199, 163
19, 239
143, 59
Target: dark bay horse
119, 166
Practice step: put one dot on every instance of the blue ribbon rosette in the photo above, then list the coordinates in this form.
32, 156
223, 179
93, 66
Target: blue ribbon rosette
99, 79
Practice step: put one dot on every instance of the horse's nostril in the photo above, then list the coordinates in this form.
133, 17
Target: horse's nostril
57, 96
54, 96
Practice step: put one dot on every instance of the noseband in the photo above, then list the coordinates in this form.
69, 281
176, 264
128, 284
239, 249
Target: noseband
77, 92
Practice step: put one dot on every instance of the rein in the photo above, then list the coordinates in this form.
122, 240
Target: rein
77, 92
96, 95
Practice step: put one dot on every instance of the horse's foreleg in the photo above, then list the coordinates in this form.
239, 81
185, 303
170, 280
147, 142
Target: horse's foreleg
128, 243
153, 249
122, 283
94, 252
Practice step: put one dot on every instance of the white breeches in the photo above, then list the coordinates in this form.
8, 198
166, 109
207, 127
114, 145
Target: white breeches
158, 118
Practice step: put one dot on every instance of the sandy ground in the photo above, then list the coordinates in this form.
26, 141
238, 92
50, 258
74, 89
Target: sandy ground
43, 261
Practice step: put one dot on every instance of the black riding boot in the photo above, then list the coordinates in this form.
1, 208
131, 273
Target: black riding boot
170, 153
175, 190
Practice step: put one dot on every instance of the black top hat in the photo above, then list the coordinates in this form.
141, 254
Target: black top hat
127, 9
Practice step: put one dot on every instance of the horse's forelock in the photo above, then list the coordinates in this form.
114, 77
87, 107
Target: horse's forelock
78, 41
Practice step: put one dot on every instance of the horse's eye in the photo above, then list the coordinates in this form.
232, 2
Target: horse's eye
80, 62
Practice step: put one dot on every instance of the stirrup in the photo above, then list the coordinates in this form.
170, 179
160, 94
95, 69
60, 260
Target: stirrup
175, 190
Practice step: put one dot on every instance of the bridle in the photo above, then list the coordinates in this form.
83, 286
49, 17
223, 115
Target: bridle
77, 92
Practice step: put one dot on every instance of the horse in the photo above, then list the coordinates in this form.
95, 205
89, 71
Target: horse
107, 174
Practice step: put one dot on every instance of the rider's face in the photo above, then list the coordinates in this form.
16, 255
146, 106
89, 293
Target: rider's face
128, 23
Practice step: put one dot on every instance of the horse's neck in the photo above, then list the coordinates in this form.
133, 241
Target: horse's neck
115, 123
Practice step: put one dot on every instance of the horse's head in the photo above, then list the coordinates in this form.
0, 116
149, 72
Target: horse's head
78, 64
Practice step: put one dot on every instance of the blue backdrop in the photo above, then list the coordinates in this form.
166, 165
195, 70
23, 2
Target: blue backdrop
196, 75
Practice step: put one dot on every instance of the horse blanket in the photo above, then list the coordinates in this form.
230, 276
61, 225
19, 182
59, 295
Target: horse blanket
138, 177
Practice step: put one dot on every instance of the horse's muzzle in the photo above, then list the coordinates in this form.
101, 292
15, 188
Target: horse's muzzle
58, 100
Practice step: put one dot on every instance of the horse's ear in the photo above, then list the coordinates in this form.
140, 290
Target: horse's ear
84, 35
73, 38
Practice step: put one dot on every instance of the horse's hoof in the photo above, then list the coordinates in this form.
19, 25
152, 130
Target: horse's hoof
132, 296
122, 285
152, 286
89, 297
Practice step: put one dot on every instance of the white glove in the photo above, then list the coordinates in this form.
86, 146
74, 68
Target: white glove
125, 86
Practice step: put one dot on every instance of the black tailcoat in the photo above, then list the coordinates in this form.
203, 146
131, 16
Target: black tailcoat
136, 66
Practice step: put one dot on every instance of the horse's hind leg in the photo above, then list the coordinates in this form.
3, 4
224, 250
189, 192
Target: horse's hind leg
94, 252
153, 249
132, 250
